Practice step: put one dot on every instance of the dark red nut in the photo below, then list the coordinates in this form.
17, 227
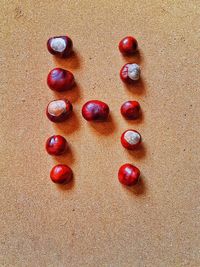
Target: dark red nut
60, 80
130, 110
128, 174
130, 72
56, 145
95, 110
59, 110
61, 174
128, 45
130, 139
60, 46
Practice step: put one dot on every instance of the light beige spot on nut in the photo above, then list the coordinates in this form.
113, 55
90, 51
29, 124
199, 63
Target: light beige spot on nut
134, 71
57, 107
132, 137
58, 44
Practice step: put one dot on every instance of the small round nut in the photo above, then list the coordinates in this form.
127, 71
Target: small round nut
60, 46
130, 110
128, 45
128, 174
61, 174
60, 80
95, 110
56, 145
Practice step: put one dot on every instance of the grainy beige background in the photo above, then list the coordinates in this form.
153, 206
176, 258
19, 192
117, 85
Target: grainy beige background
96, 222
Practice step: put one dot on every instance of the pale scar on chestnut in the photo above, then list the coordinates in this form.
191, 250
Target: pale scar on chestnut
58, 44
56, 108
132, 137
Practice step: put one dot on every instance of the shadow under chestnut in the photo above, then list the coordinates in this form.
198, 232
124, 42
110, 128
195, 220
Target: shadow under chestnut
139, 152
133, 122
72, 62
68, 186
137, 57
68, 126
138, 189
104, 127
73, 94
136, 87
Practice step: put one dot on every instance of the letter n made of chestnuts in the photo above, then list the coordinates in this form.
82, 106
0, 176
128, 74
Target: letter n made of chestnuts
60, 110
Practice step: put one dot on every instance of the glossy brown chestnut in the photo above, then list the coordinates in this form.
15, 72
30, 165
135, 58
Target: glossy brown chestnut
130, 110
130, 73
60, 80
128, 45
128, 174
56, 145
130, 139
59, 110
95, 110
61, 174
60, 46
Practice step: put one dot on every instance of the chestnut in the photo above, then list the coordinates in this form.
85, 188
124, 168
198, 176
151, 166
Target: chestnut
128, 174
95, 110
130, 110
60, 80
130, 139
59, 110
56, 145
60, 46
61, 174
128, 45
130, 72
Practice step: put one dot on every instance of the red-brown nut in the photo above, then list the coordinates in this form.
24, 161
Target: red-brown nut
128, 174
60, 46
130, 110
95, 110
61, 174
128, 45
130, 139
56, 145
59, 110
60, 80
